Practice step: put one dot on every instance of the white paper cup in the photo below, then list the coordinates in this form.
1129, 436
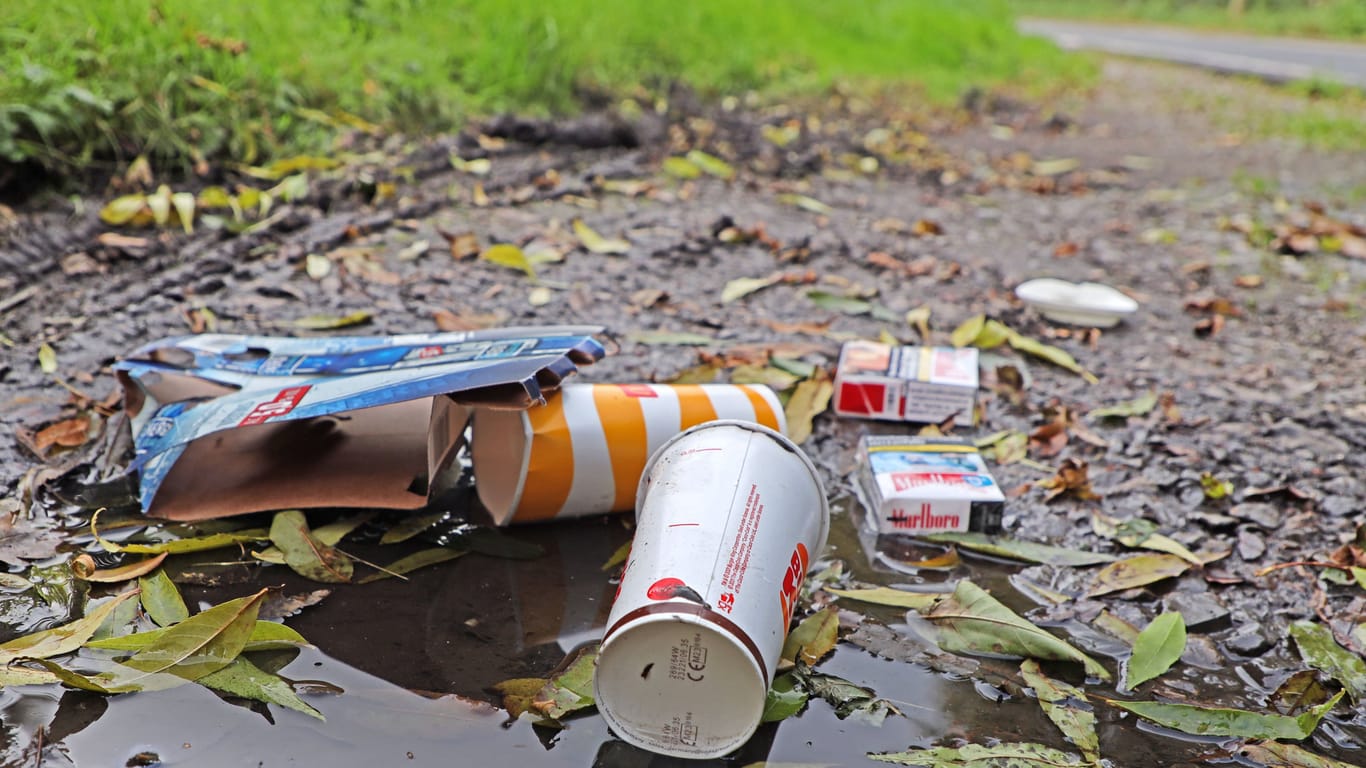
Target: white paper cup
729, 516
582, 453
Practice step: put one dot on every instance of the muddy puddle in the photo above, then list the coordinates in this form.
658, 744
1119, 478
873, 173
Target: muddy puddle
402, 671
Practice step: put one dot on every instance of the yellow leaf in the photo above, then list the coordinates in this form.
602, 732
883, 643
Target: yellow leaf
920, 319
508, 255
710, 164
47, 358
122, 210
183, 202
681, 168
809, 399
596, 242
806, 203
160, 205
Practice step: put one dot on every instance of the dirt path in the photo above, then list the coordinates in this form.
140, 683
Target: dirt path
1269, 388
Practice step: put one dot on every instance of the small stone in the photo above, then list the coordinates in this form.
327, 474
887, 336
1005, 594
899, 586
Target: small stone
1340, 506
1251, 546
1248, 640
1201, 652
1259, 512
1202, 611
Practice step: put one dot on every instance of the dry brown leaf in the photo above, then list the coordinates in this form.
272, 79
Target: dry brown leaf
122, 242
69, 433
1066, 249
1049, 439
1071, 476
925, 228
809, 329
447, 320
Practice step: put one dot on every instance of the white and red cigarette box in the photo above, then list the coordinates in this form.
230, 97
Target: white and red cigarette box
920, 485
921, 384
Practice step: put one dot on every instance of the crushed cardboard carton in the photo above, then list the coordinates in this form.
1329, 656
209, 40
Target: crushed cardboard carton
919, 485
920, 384
228, 424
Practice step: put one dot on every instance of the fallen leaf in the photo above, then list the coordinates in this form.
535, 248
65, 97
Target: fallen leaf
510, 256
180, 546
1211, 721
1072, 476
919, 318
1052, 354
1138, 532
62, 640
744, 286
47, 358
896, 598
1055, 167
784, 700
972, 621
84, 569
1058, 701
246, 680
265, 636
304, 553
596, 242
711, 165
161, 599
774, 378
1214, 487
1319, 650
123, 210
810, 399
447, 320
846, 697
203, 643
69, 433
670, 337
805, 203
279, 606
1298, 693
837, 303
1003, 755
925, 228
1156, 649
1275, 753
1140, 407
332, 322
183, 203
569, 690
414, 561
681, 168
1136, 571
1017, 549
812, 639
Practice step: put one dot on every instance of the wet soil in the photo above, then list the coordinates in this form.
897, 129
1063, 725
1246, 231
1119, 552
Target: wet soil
1272, 400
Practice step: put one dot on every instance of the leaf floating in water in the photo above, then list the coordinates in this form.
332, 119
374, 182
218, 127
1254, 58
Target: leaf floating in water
415, 561
1062, 703
974, 621
83, 567
1319, 650
896, 598
265, 636
1212, 721
1008, 755
161, 599
60, 640
244, 679
1156, 649
1274, 753
304, 553
813, 638
784, 699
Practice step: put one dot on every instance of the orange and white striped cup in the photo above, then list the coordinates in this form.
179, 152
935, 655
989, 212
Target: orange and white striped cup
583, 452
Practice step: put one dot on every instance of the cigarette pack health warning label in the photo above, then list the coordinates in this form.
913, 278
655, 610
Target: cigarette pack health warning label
923, 384
927, 485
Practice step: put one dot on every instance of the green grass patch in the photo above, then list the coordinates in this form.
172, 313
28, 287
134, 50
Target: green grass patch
91, 81
1340, 19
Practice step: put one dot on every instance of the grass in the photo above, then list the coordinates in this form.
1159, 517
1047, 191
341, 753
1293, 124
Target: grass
87, 82
1340, 19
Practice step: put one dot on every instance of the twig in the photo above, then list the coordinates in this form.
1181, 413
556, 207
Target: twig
380, 568
1313, 563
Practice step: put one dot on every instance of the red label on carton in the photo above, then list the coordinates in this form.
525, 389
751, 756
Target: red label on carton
284, 402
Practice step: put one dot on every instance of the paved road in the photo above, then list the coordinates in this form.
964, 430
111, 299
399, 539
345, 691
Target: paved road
1275, 58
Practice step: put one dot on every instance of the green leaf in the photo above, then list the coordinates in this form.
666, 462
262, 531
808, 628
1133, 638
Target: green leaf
1319, 650
784, 699
595, 242
973, 621
181, 546
1138, 532
1299, 692
1005, 755
411, 526
837, 303
414, 561
265, 636
1360, 575
1136, 571
1055, 167
846, 697
1156, 649
1028, 551
618, 556
203, 643
1210, 721
161, 599
813, 638
510, 256
772, 377
304, 553
1052, 354
1274, 753
122, 210
810, 399
670, 337
799, 368
60, 640
711, 165
14, 675
967, 332
681, 168
1215, 488
744, 286
571, 690
1055, 697
246, 680
47, 358
896, 598
1140, 407
805, 203
332, 322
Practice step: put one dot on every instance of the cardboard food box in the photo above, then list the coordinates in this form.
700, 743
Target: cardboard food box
227, 424
920, 384
919, 485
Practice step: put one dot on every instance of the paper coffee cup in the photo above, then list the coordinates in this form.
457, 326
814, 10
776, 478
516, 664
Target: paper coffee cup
729, 517
583, 452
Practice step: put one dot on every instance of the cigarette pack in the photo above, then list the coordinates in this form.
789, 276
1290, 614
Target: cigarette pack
921, 485
921, 384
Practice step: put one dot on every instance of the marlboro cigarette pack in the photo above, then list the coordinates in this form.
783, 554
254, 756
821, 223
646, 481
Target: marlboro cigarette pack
921, 384
921, 485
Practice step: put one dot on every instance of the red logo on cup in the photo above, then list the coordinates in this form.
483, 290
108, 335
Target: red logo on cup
792, 581
726, 602
664, 589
